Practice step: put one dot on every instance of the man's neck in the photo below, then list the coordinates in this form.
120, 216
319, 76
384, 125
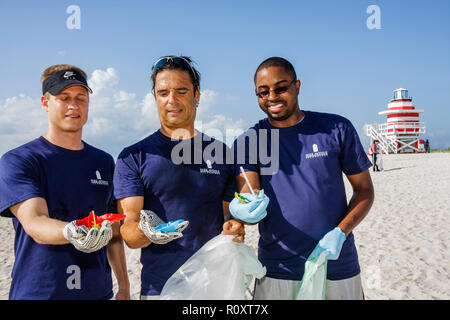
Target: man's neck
178, 133
291, 121
66, 140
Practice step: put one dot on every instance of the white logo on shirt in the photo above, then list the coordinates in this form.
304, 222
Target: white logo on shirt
209, 170
316, 153
99, 180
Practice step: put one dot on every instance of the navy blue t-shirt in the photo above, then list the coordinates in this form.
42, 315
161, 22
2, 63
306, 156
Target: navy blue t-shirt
182, 179
305, 185
73, 183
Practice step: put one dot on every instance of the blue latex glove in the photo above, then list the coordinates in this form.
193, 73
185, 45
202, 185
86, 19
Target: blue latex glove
250, 212
331, 242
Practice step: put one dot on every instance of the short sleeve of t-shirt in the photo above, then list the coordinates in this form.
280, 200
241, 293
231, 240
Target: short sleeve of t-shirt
353, 157
19, 181
244, 155
127, 180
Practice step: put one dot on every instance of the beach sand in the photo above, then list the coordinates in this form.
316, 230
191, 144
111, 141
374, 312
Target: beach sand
403, 243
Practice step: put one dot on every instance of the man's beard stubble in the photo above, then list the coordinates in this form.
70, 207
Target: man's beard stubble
286, 116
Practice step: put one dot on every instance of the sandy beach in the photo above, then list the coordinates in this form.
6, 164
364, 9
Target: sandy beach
403, 244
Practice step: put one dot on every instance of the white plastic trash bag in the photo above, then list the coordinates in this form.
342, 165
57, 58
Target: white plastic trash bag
314, 282
220, 270
379, 161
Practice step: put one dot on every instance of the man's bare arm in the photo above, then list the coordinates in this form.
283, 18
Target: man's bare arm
130, 231
34, 217
361, 202
253, 178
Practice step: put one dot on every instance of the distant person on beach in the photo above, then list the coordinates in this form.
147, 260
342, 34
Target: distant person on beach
172, 175
48, 184
374, 150
427, 146
307, 212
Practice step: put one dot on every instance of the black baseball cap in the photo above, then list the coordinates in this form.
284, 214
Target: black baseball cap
60, 80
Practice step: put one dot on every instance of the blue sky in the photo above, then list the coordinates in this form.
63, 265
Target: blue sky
344, 67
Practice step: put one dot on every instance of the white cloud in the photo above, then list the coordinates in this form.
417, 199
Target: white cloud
116, 118
207, 98
215, 125
101, 81
221, 127
22, 119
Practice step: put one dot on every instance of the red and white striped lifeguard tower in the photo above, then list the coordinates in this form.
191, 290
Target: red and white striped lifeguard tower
400, 134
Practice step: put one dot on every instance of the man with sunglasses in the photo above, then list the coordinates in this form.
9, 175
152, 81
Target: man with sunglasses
166, 177
307, 212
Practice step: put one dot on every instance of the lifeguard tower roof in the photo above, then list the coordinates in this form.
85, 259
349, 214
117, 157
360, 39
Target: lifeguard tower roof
401, 107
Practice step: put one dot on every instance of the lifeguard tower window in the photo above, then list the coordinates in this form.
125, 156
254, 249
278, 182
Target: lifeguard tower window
401, 94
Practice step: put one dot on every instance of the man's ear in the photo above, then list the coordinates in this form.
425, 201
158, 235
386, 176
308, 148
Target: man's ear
297, 85
44, 103
197, 96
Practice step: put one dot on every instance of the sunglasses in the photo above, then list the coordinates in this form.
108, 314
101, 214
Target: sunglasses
264, 94
176, 61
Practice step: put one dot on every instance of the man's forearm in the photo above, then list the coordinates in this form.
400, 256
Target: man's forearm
133, 235
33, 216
357, 210
45, 230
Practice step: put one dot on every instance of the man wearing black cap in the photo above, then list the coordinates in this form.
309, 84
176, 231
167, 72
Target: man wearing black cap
48, 184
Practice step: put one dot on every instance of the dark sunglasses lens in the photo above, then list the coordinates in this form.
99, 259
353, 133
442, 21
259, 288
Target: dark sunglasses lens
280, 90
160, 63
177, 61
181, 63
263, 94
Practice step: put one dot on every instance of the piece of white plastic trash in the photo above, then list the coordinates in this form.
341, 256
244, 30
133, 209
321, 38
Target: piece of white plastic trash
247, 181
250, 186
201, 277
314, 281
